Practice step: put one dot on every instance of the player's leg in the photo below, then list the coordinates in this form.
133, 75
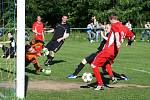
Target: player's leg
117, 75
12, 52
148, 34
92, 36
53, 47
110, 72
86, 60
120, 76
27, 62
36, 64
78, 69
50, 55
97, 35
98, 77
98, 61
5, 51
142, 35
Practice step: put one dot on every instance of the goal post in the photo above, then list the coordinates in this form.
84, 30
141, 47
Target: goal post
20, 73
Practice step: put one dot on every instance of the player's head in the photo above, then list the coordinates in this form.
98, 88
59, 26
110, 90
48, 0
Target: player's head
113, 18
38, 18
93, 18
10, 35
64, 19
29, 48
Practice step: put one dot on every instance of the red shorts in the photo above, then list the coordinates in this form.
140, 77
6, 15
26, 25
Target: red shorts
102, 58
38, 37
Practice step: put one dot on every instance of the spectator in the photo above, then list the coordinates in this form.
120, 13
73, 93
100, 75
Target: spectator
9, 51
146, 31
129, 25
96, 28
91, 34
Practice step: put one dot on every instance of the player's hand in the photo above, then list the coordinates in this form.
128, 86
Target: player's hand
118, 44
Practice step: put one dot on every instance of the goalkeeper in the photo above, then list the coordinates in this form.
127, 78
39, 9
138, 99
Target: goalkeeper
31, 54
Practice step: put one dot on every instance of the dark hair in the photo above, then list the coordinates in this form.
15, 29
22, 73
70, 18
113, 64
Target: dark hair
113, 16
27, 47
10, 33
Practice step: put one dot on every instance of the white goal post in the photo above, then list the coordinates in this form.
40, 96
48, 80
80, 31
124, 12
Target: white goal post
20, 80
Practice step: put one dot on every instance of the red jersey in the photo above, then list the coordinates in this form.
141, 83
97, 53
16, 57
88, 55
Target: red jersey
123, 31
39, 27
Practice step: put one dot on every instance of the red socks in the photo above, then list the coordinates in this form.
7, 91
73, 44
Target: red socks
98, 76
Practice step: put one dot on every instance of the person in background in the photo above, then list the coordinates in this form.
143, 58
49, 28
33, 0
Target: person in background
146, 32
96, 28
91, 34
9, 51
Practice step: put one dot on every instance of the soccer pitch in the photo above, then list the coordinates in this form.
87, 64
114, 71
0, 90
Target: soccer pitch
132, 61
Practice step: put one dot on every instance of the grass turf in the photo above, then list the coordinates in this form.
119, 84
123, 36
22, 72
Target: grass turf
132, 61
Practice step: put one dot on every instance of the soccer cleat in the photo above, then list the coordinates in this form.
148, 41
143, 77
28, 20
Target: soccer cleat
99, 87
123, 77
71, 76
114, 80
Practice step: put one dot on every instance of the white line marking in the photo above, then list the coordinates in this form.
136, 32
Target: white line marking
139, 70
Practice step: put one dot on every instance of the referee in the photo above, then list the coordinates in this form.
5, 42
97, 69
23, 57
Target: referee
61, 32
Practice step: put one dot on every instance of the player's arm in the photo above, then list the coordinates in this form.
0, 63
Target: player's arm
34, 28
117, 36
102, 34
130, 41
52, 30
6, 42
66, 35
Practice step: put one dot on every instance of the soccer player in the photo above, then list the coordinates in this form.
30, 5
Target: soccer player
9, 52
31, 56
89, 59
61, 32
106, 57
38, 29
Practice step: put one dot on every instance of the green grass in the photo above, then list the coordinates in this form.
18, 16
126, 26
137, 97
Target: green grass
73, 51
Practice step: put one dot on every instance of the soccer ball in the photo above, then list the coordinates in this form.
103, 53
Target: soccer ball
47, 71
87, 77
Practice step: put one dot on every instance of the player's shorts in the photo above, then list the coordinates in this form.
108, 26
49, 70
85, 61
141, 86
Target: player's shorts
91, 57
102, 58
38, 37
54, 45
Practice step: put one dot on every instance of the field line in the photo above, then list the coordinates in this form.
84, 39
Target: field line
138, 70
